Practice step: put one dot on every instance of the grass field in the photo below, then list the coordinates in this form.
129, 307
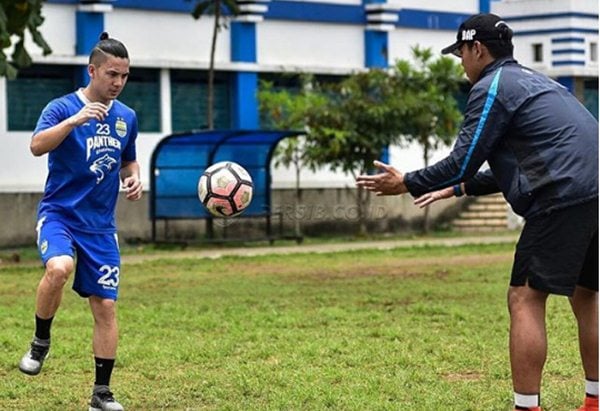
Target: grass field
408, 329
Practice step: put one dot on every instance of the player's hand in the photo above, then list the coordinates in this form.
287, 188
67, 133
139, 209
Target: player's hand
133, 187
389, 182
90, 111
434, 196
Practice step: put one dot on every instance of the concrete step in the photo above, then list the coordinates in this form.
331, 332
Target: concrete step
487, 207
482, 214
479, 229
480, 222
491, 199
486, 213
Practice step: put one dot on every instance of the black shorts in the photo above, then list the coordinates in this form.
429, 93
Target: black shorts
559, 250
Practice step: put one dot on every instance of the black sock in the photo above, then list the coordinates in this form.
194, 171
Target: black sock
42, 327
104, 369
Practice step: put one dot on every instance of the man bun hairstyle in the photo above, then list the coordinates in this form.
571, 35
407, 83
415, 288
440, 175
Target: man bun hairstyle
107, 47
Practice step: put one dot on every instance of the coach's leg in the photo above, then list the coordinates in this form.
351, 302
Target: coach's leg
585, 307
528, 344
50, 288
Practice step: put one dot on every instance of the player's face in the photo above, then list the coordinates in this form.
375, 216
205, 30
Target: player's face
109, 77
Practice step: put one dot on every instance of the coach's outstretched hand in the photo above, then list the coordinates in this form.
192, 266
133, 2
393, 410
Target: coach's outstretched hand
434, 196
389, 182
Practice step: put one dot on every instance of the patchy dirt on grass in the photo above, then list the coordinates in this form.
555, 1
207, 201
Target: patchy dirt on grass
463, 376
396, 267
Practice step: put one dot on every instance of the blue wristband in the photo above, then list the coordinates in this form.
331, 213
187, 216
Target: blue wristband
457, 190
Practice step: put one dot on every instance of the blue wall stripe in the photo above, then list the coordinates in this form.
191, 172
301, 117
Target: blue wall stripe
568, 40
166, 5
245, 106
550, 16
88, 27
561, 30
423, 19
489, 102
321, 12
484, 6
568, 51
376, 49
244, 110
311, 12
569, 63
243, 41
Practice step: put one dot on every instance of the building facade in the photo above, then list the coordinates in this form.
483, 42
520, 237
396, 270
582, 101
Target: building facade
170, 51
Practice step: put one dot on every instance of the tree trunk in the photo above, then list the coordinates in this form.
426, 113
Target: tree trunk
297, 211
211, 69
426, 223
362, 204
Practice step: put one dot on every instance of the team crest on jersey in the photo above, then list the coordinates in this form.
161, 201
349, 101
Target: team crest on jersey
44, 246
121, 127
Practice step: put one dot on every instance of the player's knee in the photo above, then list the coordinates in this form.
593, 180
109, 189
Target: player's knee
58, 272
104, 311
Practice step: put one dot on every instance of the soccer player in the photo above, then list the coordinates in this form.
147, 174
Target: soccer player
541, 145
90, 140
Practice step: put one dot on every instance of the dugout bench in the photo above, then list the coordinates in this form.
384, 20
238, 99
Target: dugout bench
179, 160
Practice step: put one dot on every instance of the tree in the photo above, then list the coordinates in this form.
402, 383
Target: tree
16, 17
287, 110
221, 9
427, 88
362, 117
348, 124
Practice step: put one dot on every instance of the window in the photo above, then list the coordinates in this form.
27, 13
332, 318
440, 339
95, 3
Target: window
142, 93
33, 88
292, 83
188, 100
538, 52
594, 51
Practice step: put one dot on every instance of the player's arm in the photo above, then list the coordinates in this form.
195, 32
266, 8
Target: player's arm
130, 179
47, 139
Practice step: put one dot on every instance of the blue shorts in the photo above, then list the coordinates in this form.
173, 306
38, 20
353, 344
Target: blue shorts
98, 259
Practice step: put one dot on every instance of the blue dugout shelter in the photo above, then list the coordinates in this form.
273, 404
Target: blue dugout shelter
179, 160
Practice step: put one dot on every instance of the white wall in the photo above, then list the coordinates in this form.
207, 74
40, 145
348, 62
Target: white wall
454, 6
401, 40
167, 39
299, 45
58, 30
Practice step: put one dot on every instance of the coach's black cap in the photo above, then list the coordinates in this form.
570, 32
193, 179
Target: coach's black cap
481, 27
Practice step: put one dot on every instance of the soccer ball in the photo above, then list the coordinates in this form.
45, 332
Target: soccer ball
225, 189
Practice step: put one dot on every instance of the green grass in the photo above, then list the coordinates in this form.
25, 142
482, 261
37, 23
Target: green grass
409, 329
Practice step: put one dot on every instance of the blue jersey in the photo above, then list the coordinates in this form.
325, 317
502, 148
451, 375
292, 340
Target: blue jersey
83, 171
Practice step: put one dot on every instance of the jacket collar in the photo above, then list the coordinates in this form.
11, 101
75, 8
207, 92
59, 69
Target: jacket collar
494, 65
